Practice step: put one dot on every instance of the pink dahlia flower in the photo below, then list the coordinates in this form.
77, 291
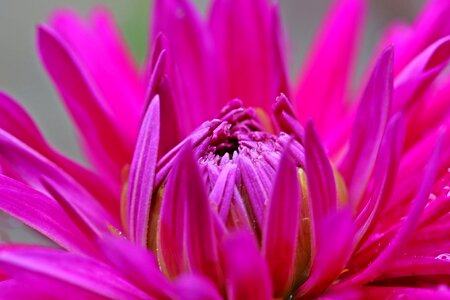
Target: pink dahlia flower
214, 177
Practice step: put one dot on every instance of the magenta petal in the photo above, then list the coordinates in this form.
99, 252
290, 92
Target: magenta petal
321, 182
200, 239
385, 172
407, 227
159, 84
15, 120
194, 287
323, 87
79, 271
142, 175
192, 58
33, 168
246, 271
412, 82
170, 235
334, 240
368, 128
282, 225
138, 265
249, 45
42, 214
99, 48
109, 152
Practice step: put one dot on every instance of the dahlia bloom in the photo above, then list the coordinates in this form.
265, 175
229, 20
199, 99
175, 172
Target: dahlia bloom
214, 177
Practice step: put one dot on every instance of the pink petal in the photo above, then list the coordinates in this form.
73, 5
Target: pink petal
32, 168
170, 235
142, 173
194, 287
417, 76
368, 128
42, 214
324, 84
282, 224
15, 120
246, 272
100, 49
248, 42
321, 182
138, 265
172, 131
200, 239
192, 59
407, 227
108, 152
79, 271
334, 246
385, 172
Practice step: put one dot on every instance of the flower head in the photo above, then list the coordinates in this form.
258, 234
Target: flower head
211, 179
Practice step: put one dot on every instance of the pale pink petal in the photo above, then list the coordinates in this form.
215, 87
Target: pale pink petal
142, 173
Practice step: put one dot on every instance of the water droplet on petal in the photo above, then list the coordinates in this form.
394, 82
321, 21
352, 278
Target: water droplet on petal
443, 256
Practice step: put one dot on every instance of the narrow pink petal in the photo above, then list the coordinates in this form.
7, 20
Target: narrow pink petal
98, 47
245, 270
172, 131
282, 224
407, 227
200, 239
79, 271
31, 168
324, 84
170, 235
108, 152
39, 288
409, 40
194, 287
138, 265
418, 266
417, 76
192, 58
388, 292
248, 42
334, 245
258, 193
42, 214
321, 182
385, 173
368, 128
15, 120
142, 175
